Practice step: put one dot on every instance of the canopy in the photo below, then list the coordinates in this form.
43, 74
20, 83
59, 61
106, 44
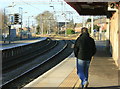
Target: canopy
89, 8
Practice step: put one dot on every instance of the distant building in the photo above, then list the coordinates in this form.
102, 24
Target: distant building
78, 27
61, 25
99, 22
102, 23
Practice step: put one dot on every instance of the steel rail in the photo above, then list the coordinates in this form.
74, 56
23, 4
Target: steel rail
33, 56
35, 67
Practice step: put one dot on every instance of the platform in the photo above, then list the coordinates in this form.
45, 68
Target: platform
55, 76
13, 44
103, 74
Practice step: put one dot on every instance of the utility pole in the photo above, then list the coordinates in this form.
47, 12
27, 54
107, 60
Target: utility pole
92, 25
28, 25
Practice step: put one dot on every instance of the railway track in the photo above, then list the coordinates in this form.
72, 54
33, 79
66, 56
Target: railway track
14, 67
10, 65
19, 81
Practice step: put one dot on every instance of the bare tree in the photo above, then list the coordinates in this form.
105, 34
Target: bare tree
46, 22
1, 20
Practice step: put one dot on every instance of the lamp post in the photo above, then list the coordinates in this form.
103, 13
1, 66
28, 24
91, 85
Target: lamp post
92, 25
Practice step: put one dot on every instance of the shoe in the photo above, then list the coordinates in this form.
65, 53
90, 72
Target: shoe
85, 85
82, 86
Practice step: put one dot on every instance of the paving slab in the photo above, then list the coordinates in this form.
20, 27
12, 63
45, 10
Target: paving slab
55, 76
103, 73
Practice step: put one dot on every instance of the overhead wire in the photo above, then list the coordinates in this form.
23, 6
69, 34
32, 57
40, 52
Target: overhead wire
30, 5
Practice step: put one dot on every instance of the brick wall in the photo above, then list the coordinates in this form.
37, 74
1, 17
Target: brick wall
119, 38
114, 36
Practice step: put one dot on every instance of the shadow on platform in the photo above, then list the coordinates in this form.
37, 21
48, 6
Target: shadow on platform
102, 49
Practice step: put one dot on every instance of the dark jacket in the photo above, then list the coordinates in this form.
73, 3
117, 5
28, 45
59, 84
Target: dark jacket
84, 47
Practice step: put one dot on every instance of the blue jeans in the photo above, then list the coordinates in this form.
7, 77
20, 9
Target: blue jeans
82, 70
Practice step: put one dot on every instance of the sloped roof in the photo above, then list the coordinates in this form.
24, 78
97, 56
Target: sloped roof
100, 20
